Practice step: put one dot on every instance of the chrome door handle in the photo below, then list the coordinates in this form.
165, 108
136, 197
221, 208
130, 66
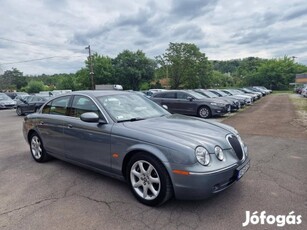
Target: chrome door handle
69, 126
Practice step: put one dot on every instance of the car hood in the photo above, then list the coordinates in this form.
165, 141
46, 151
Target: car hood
183, 130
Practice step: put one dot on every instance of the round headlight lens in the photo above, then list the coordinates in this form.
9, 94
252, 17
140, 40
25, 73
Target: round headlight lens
219, 153
202, 155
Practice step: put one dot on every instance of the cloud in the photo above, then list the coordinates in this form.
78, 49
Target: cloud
192, 8
222, 29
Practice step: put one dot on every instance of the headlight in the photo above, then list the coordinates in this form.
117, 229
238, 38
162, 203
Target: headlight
219, 153
202, 155
217, 104
244, 147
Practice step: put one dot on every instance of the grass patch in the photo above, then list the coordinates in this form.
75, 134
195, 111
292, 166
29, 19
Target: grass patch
282, 91
299, 102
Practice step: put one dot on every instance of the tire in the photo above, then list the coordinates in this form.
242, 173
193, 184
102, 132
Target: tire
37, 149
18, 111
204, 112
148, 179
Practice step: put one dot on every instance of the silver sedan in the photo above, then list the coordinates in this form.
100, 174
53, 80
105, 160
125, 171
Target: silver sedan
129, 137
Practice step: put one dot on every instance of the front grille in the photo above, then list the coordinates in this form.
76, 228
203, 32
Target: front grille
235, 144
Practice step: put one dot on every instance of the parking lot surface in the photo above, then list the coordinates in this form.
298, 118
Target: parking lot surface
58, 195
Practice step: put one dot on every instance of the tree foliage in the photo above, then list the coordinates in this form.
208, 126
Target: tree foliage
185, 66
35, 86
133, 68
182, 65
12, 79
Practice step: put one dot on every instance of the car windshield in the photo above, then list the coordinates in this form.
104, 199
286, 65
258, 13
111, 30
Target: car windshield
131, 107
4, 97
210, 94
222, 93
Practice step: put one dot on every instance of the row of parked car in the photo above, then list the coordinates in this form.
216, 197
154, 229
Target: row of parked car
25, 103
22, 102
206, 103
302, 89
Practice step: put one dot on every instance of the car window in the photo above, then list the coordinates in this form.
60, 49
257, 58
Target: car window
59, 106
169, 95
46, 108
82, 104
182, 95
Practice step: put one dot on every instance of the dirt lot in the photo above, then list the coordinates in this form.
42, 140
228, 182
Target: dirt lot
57, 195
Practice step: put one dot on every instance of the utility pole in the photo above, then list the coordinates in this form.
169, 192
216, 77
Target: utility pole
91, 65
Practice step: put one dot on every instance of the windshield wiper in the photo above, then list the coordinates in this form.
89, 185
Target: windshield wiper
132, 119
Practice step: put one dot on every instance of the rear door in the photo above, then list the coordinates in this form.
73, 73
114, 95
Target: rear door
50, 125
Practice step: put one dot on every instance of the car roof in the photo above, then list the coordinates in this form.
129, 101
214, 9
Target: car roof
98, 93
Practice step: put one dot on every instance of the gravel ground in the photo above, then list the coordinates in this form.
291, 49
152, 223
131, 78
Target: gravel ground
57, 195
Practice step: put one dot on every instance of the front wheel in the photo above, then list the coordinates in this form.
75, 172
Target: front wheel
204, 112
38, 152
148, 179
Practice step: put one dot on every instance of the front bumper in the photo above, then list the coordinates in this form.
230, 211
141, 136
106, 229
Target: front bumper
197, 186
218, 111
7, 106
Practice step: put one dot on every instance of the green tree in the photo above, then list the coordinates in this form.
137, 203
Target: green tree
185, 66
82, 79
276, 73
103, 69
66, 81
35, 86
133, 68
13, 80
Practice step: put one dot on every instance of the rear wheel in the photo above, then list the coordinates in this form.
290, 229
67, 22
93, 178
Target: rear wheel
148, 179
18, 111
38, 152
204, 112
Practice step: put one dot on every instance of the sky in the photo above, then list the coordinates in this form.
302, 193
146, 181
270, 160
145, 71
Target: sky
50, 36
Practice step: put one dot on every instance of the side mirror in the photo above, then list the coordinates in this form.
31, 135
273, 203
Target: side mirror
165, 107
90, 117
190, 98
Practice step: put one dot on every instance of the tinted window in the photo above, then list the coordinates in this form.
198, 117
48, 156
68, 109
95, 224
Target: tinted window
181, 95
47, 107
82, 104
166, 95
59, 106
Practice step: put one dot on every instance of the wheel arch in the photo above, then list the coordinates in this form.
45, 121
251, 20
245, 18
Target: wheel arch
30, 133
141, 148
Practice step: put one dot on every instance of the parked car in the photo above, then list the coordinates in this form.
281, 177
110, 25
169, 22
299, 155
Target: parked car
30, 104
129, 137
15, 94
189, 102
20, 96
254, 95
234, 103
268, 91
6, 102
258, 90
222, 94
233, 92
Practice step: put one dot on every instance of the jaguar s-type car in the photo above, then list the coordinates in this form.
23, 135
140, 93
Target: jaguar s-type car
130, 137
